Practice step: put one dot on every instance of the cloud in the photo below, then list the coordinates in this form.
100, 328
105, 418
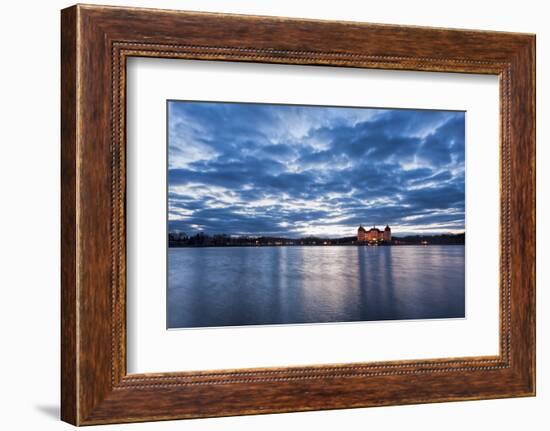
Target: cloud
297, 170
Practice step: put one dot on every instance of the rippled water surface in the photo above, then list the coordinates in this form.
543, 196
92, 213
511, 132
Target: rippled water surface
229, 286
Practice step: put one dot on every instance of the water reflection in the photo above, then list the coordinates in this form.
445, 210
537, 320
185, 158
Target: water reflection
278, 285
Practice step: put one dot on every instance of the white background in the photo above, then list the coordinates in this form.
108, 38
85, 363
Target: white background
151, 348
29, 220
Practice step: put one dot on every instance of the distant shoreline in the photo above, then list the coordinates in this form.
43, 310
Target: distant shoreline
305, 245
179, 240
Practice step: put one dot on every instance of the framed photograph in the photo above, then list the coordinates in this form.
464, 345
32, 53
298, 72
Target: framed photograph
263, 214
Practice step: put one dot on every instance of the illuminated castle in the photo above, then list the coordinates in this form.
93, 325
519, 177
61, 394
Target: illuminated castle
374, 234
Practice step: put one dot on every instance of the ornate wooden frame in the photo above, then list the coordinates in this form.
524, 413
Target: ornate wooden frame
95, 42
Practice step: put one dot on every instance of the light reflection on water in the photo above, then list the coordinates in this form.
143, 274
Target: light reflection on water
229, 286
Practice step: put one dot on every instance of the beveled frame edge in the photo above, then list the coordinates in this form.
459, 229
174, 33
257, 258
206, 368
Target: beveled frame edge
124, 50
96, 41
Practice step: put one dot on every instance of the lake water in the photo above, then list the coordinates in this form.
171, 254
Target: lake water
229, 286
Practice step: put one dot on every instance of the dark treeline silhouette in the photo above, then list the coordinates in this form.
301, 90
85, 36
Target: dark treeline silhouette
443, 239
201, 239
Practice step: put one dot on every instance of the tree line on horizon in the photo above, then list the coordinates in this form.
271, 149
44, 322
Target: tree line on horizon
201, 239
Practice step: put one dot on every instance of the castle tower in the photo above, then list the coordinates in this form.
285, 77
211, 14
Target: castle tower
387, 234
361, 234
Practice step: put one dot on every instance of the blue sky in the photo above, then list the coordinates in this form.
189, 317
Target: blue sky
261, 169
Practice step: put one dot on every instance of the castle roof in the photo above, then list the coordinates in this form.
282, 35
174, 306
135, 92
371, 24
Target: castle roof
372, 229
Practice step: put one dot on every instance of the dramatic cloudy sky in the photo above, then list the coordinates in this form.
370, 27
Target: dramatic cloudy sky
263, 169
